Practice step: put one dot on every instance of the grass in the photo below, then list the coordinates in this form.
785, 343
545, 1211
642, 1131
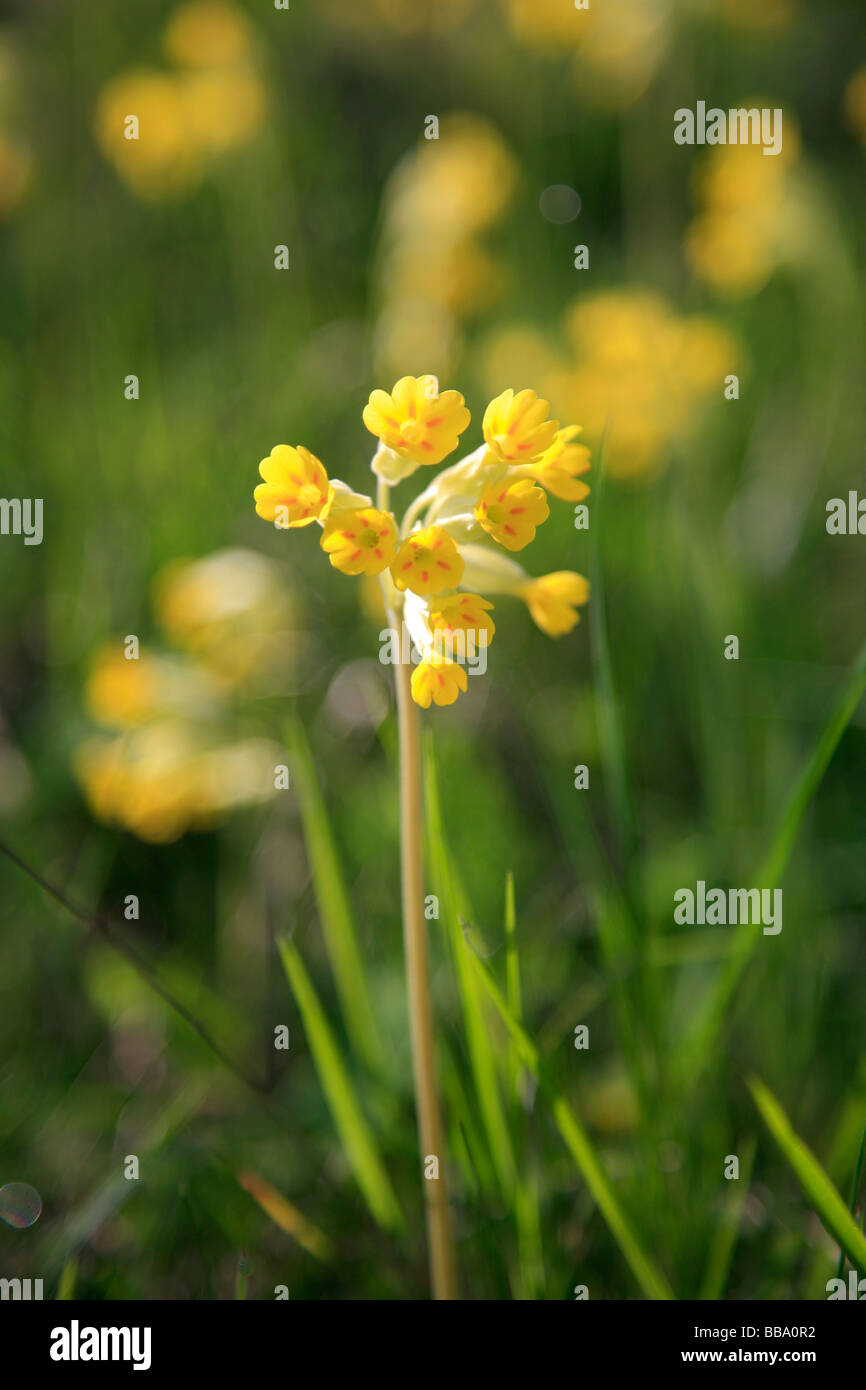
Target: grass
554, 906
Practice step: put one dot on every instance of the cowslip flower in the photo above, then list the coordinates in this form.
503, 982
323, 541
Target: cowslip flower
559, 468
428, 562
553, 601
295, 489
511, 512
360, 541
438, 563
437, 681
517, 428
415, 421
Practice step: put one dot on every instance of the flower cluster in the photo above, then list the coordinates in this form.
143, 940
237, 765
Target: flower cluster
16, 158
437, 270
455, 537
754, 215
211, 101
171, 754
631, 367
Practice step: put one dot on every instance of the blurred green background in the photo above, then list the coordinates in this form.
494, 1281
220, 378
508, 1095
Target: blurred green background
305, 129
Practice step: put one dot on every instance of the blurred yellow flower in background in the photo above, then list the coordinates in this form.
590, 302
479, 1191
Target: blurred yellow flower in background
753, 214
208, 34
212, 103
163, 161
375, 19
16, 171
234, 612
121, 692
855, 103
620, 47
163, 779
172, 760
631, 364
434, 270
16, 159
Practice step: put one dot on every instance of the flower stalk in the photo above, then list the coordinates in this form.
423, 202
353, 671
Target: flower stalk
431, 1134
456, 537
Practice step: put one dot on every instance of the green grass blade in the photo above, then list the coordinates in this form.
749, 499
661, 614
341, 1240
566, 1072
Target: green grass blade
512, 975
529, 1277
579, 1145
352, 1127
335, 914
66, 1286
609, 729
823, 1195
483, 1058
855, 1193
704, 1031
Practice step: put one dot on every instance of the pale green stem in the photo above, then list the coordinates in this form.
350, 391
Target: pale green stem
440, 1240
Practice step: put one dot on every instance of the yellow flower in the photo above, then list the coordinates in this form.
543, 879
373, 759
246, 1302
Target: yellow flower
427, 562
466, 613
224, 108
415, 421
438, 680
163, 161
360, 541
559, 466
295, 491
207, 34
516, 427
510, 512
553, 599
121, 692
234, 611
855, 102
16, 170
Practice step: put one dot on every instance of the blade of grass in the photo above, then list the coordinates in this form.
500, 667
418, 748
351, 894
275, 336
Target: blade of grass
648, 1275
824, 1197
456, 911
335, 914
287, 1216
609, 730
528, 1277
702, 1036
512, 974
855, 1193
348, 1117
66, 1286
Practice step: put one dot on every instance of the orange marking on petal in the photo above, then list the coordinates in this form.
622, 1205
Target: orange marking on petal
509, 530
